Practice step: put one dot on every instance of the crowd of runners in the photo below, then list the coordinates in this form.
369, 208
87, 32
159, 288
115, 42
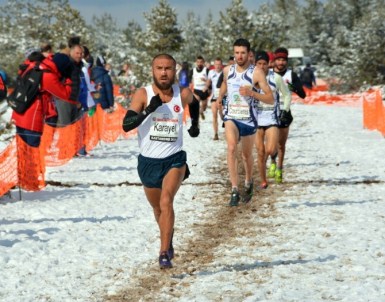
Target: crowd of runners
251, 95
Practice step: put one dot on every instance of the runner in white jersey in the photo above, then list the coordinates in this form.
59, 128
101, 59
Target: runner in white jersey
268, 115
294, 84
240, 123
199, 79
212, 82
157, 111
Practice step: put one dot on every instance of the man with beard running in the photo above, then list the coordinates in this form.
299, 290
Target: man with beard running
267, 115
157, 111
199, 75
240, 122
294, 84
212, 82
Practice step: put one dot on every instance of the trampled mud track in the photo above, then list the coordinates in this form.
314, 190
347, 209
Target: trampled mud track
219, 225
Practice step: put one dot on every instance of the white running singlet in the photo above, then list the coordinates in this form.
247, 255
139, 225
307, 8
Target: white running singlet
239, 107
161, 133
199, 78
267, 114
213, 77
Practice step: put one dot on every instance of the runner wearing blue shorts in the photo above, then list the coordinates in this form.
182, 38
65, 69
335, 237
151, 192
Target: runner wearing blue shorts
157, 111
238, 116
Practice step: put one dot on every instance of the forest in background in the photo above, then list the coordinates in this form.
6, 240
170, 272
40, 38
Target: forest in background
344, 38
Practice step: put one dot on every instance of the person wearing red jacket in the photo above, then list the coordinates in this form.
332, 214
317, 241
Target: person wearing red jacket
29, 125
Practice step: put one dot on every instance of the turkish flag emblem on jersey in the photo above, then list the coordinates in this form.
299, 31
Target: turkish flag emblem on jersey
176, 108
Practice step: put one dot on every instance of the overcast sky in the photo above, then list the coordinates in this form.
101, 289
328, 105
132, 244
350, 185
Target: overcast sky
127, 10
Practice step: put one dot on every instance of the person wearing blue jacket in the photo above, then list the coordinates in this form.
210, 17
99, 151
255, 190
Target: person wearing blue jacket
101, 77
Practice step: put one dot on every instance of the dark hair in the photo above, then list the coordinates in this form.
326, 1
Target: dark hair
72, 41
218, 59
36, 56
184, 65
242, 42
164, 56
281, 50
45, 47
200, 58
262, 55
86, 51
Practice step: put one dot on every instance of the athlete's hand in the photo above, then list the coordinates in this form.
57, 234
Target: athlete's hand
193, 131
285, 118
155, 102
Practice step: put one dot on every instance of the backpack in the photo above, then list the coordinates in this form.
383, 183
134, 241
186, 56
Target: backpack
27, 87
306, 75
3, 88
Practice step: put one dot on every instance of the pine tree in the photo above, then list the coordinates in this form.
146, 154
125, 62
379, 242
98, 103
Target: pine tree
194, 37
162, 34
233, 24
26, 24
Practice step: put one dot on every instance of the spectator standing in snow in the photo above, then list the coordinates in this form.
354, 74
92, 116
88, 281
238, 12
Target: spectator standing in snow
102, 78
307, 77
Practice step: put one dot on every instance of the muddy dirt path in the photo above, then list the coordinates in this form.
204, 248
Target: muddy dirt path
219, 225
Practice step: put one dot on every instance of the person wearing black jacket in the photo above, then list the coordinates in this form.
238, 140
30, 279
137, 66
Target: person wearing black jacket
294, 84
68, 113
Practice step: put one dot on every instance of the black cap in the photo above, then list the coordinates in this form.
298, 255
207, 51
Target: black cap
261, 55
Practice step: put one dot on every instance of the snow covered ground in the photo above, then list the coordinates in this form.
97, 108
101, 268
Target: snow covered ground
320, 236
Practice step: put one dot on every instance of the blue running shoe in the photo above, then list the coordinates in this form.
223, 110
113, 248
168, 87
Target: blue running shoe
164, 260
170, 250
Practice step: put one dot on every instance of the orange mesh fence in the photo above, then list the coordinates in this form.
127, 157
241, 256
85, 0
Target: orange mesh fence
30, 166
374, 112
324, 97
8, 168
24, 166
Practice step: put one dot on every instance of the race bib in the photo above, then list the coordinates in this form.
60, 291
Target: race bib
164, 128
239, 107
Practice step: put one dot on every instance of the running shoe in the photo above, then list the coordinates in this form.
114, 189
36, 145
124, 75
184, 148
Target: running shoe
278, 176
234, 200
164, 260
216, 137
170, 250
263, 185
248, 193
271, 172
202, 116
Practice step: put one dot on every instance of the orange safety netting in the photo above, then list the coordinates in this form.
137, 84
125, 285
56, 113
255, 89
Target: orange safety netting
24, 166
374, 113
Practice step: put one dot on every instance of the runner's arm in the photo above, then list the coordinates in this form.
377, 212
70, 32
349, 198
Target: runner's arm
297, 86
260, 78
286, 95
135, 115
222, 91
189, 99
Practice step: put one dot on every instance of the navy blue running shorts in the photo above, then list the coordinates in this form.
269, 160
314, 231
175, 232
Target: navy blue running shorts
152, 170
244, 130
